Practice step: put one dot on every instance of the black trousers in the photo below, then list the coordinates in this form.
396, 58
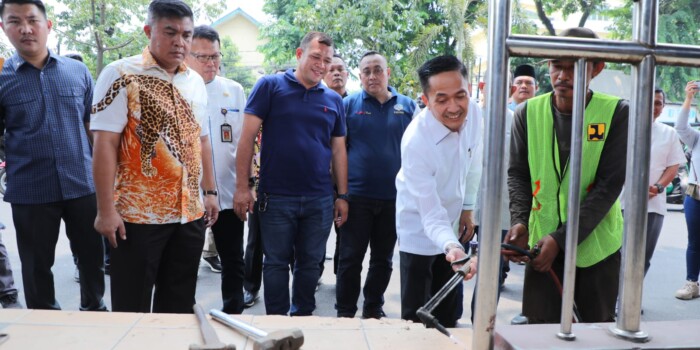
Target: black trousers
37, 229
595, 291
371, 223
165, 256
253, 253
228, 236
421, 277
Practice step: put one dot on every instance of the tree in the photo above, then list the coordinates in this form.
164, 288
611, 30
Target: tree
231, 67
106, 30
5, 50
567, 8
678, 24
406, 32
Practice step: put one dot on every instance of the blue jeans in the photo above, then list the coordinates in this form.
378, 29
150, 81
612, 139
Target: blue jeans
692, 254
371, 222
293, 228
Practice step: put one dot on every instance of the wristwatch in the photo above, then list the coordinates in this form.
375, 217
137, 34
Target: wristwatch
659, 188
343, 196
210, 192
452, 246
251, 182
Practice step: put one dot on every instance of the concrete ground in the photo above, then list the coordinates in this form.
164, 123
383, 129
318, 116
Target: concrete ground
666, 275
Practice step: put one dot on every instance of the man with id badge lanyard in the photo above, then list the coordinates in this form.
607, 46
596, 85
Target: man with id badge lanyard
225, 104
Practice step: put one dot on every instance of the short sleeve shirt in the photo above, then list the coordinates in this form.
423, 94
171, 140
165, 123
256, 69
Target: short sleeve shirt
159, 118
225, 104
299, 124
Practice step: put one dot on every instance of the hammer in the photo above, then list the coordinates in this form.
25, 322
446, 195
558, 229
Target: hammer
211, 341
286, 339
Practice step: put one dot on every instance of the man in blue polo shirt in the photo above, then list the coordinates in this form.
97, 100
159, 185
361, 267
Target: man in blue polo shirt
304, 140
376, 119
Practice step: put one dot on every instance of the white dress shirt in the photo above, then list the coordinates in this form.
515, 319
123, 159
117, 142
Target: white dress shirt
666, 151
225, 94
439, 177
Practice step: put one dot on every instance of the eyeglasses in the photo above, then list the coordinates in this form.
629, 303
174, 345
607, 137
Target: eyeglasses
205, 58
377, 71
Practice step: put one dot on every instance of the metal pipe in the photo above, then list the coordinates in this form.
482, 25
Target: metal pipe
637, 180
574, 204
494, 146
601, 50
236, 324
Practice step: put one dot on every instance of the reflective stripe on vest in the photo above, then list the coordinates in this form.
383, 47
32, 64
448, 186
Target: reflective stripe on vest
551, 191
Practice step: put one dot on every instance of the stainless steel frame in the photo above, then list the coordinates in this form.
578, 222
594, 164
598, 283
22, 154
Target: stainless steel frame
643, 53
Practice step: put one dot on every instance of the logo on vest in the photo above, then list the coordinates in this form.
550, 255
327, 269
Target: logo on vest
399, 109
596, 132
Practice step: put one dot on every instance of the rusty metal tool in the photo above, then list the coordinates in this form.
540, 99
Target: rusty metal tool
211, 340
285, 339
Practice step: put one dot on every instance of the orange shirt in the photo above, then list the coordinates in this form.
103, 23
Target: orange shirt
159, 119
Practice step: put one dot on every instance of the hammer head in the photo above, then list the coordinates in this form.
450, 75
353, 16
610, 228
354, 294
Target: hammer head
212, 346
286, 339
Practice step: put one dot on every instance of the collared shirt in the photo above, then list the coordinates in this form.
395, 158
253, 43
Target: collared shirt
159, 118
43, 112
439, 177
299, 125
374, 142
224, 123
666, 151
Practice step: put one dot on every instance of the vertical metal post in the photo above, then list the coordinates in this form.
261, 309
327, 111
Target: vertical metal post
574, 204
494, 146
637, 179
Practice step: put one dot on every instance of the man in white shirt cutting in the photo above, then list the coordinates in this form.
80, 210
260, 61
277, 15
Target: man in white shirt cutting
441, 156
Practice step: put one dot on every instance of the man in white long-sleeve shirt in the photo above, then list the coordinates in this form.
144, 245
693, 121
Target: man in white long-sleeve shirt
441, 154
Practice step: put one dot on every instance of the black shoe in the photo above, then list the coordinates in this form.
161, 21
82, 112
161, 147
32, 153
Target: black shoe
213, 263
379, 313
10, 301
249, 298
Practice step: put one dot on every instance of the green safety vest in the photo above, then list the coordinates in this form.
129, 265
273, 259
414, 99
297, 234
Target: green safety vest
550, 190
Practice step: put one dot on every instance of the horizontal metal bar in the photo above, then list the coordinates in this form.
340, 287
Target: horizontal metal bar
575, 48
603, 50
677, 55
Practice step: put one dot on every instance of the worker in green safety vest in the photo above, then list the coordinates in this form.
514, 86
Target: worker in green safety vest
538, 184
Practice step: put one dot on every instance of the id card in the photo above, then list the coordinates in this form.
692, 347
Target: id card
226, 133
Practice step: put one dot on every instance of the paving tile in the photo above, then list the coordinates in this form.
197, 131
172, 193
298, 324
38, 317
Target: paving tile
12, 315
415, 338
79, 318
168, 338
29, 336
306, 322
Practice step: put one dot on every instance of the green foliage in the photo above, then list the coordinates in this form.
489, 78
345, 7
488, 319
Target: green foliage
231, 67
103, 31
6, 50
406, 32
678, 24
567, 8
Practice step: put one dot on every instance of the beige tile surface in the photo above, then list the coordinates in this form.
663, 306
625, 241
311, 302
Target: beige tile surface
79, 318
12, 315
58, 330
403, 338
28, 336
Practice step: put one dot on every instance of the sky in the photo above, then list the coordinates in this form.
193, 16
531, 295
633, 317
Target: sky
252, 7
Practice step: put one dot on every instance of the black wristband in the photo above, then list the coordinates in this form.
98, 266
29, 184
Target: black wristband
210, 192
251, 182
343, 196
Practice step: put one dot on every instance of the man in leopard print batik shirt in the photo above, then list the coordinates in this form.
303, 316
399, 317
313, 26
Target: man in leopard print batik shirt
150, 153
